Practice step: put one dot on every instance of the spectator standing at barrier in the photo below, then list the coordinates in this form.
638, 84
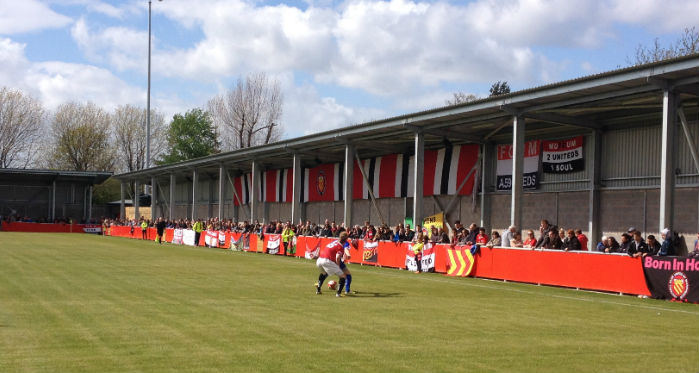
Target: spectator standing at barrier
653, 245
197, 227
544, 230
326, 231
530, 241
508, 235
571, 242
602, 245
625, 243
160, 230
144, 229
409, 233
554, 241
434, 235
418, 229
472, 234
582, 239
495, 240
612, 245
482, 237
638, 247
460, 238
443, 236
458, 229
370, 234
396, 237
287, 239
666, 248
517, 240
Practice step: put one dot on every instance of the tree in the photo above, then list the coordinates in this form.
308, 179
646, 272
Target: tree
460, 98
81, 139
190, 136
249, 114
688, 43
21, 119
129, 124
499, 88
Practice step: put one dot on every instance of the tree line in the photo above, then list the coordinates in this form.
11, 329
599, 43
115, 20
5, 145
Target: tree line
81, 136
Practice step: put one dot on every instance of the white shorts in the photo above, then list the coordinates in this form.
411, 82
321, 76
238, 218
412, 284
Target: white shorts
329, 266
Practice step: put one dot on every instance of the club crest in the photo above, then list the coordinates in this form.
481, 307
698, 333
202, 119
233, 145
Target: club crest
678, 285
321, 183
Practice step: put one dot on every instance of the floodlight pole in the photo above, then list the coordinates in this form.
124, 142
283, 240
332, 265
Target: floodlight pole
148, 96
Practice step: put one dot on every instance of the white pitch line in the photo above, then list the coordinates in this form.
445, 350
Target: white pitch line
466, 283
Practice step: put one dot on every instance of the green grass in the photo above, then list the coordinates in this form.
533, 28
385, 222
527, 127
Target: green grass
75, 303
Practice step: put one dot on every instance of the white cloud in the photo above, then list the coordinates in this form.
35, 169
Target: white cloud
100, 46
306, 112
389, 48
55, 83
662, 16
402, 50
28, 15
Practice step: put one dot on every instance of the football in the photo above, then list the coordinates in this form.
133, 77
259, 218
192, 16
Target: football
332, 285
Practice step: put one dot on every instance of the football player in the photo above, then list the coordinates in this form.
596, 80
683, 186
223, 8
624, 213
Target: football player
343, 267
329, 263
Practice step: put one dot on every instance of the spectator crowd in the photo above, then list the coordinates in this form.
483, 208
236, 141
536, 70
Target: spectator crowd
548, 236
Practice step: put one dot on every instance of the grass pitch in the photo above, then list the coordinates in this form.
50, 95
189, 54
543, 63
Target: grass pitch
77, 302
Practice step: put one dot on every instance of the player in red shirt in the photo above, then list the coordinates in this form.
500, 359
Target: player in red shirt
329, 263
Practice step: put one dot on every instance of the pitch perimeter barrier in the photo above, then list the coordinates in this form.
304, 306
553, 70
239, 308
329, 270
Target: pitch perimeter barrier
50, 228
577, 269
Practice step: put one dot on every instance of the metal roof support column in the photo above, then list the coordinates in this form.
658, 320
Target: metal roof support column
53, 200
418, 177
173, 184
485, 176
517, 170
221, 189
153, 198
296, 208
668, 162
89, 203
136, 201
195, 182
349, 173
263, 200
84, 203
593, 223
209, 207
254, 192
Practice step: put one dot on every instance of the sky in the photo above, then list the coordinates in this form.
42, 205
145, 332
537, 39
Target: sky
339, 62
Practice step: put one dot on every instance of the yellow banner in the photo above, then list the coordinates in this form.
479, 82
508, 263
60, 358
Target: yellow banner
436, 220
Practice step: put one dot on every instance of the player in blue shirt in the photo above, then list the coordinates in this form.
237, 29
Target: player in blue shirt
345, 270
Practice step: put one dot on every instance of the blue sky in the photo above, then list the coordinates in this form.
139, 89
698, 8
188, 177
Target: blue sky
339, 62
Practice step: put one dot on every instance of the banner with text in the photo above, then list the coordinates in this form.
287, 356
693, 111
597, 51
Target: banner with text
426, 259
672, 278
436, 220
530, 169
272, 243
563, 156
371, 252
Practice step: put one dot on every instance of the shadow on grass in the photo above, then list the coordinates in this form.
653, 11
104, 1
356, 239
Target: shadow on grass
369, 294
